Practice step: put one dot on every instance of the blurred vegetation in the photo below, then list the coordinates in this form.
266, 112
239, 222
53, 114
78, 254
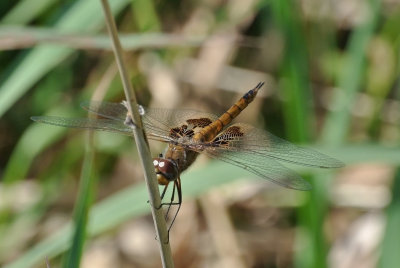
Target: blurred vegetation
331, 70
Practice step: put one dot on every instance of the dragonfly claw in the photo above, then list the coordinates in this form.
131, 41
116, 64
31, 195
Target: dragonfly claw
129, 122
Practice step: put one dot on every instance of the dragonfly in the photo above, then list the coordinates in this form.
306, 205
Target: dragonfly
189, 133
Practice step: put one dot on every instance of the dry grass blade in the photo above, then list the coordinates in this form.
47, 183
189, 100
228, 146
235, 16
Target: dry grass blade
144, 153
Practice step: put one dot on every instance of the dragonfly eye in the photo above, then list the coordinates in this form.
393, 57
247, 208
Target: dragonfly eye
166, 170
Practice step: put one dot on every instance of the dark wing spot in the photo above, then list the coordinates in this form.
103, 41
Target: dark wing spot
174, 132
181, 131
189, 133
177, 131
199, 122
230, 134
234, 131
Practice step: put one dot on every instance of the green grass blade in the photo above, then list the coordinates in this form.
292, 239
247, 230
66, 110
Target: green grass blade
295, 82
334, 133
82, 207
145, 16
298, 121
390, 256
83, 16
132, 202
124, 205
33, 141
128, 203
338, 122
26, 10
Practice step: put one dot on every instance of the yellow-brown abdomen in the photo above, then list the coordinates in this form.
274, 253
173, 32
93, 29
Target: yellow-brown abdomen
209, 132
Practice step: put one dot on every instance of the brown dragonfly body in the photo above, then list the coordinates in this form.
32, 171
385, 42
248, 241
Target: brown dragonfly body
190, 138
189, 133
200, 130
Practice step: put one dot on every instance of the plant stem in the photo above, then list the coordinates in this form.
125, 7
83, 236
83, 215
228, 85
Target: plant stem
142, 145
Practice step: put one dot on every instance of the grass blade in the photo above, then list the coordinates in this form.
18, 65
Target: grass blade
338, 121
141, 143
25, 11
26, 37
82, 207
83, 16
132, 201
391, 241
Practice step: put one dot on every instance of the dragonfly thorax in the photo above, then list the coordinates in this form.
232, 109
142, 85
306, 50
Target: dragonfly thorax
166, 170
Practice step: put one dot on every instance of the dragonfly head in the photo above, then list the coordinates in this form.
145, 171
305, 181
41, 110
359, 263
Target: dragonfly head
166, 170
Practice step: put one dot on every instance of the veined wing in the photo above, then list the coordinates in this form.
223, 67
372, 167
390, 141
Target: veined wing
258, 151
111, 110
86, 123
157, 122
160, 122
263, 145
266, 168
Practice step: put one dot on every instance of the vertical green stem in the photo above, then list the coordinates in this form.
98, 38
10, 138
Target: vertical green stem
390, 256
85, 197
141, 142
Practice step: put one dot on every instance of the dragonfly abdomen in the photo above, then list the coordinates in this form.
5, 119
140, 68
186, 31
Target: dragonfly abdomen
211, 131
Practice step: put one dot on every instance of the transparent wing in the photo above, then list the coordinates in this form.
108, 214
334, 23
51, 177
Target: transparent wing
261, 144
110, 110
240, 144
266, 168
157, 122
257, 151
86, 123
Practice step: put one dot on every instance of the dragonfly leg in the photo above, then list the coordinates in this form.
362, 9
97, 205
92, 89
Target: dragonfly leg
178, 189
162, 196
172, 197
177, 184
171, 202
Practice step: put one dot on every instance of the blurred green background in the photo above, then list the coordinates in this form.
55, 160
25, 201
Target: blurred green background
331, 70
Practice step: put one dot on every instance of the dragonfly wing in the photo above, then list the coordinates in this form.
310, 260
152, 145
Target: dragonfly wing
157, 122
160, 122
242, 137
86, 123
264, 167
110, 110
